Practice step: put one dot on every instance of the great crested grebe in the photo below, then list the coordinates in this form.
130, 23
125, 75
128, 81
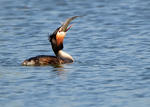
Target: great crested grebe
56, 39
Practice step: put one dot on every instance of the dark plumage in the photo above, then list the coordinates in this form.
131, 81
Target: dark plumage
56, 40
43, 60
52, 39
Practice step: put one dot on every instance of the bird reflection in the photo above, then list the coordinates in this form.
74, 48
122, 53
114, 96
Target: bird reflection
60, 71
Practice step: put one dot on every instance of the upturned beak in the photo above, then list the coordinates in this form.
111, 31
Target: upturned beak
63, 29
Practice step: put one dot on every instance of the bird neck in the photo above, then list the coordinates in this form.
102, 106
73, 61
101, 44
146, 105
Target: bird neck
65, 56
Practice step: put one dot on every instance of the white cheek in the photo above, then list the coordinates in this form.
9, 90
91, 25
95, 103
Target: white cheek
62, 33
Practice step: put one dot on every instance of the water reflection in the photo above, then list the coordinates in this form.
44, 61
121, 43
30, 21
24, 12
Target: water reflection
60, 71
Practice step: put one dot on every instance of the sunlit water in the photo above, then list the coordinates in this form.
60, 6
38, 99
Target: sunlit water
110, 45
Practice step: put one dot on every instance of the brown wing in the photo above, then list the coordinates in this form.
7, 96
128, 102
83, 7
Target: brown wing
42, 60
48, 60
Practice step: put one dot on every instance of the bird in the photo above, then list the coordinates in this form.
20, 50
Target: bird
56, 39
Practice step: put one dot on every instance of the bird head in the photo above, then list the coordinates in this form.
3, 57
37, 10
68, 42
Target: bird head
59, 34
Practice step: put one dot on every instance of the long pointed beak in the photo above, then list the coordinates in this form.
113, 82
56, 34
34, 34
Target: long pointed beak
64, 27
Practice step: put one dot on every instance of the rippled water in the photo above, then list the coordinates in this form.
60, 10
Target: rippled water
111, 46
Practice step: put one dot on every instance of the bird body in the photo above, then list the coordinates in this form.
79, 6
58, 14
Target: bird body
56, 40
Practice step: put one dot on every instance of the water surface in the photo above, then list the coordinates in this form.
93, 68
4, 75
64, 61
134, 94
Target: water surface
110, 45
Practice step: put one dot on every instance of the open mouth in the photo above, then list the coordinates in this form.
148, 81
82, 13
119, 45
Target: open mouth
64, 27
68, 28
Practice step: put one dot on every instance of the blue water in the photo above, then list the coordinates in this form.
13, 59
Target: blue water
110, 45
